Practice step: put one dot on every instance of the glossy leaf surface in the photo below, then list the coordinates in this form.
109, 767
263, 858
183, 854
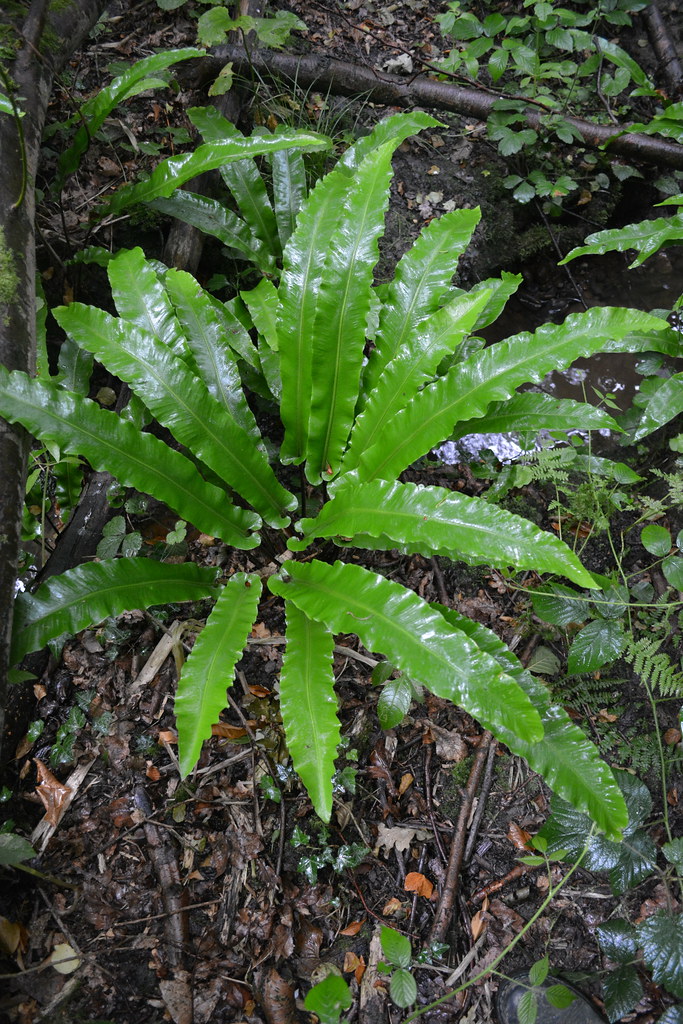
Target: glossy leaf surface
437, 521
494, 374
622, 991
176, 170
646, 238
208, 672
213, 218
181, 402
411, 366
661, 938
417, 639
564, 756
137, 459
662, 406
420, 282
338, 332
289, 189
90, 593
308, 706
141, 298
530, 410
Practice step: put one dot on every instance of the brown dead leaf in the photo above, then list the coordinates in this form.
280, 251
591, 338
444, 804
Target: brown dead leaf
606, 716
672, 796
260, 630
227, 731
351, 962
519, 837
168, 736
393, 908
398, 837
672, 736
353, 928
54, 796
416, 882
258, 691
406, 781
13, 937
152, 772
478, 925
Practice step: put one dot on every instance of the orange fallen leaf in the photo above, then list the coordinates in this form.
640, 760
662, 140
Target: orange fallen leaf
406, 781
671, 737
54, 796
353, 928
415, 882
391, 908
152, 772
259, 691
351, 962
478, 925
168, 736
228, 732
519, 837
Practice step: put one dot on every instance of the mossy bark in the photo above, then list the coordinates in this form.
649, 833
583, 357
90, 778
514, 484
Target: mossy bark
45, 39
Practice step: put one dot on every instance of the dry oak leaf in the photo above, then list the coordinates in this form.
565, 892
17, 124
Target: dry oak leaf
54, 796
399, 838
416, 882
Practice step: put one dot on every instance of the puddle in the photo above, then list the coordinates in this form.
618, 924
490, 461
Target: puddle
547, 294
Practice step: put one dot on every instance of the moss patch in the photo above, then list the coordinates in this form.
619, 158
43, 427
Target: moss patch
8, 275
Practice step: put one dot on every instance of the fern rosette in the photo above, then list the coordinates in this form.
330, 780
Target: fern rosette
354, 421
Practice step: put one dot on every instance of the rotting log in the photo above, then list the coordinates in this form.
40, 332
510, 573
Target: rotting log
45, 40
348, 79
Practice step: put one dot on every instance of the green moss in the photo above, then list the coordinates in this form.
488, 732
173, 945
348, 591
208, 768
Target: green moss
9, 279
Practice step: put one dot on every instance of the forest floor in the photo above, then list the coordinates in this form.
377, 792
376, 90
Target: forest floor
223, 898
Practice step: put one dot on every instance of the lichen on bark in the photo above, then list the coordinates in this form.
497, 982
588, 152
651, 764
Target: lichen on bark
9, 278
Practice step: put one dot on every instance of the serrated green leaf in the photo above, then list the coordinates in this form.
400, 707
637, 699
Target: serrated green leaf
208, 672
618, 941
181, 402
396, 947
86, 595
597, 643
538, 972
14, 849
673, 852
656, 539
527, 1007
438, 521
137, 459
646, 238
494, 374
559, 996
176, 170
308, 706
564, 757
535, 411
394, 702
329, 998
661, 939
389, 618
338, 331
93, 113
402, 988
627, 862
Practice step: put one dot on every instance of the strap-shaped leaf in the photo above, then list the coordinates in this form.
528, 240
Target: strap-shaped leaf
495, 373
262, 303
389, 618
93, 113
86, 595
412, 365
308, 706
303, 259
342, 314
213, 218
646, 238
662, 405
531, 410
213, 358
209, 670
564, 756
176, 170
141, 298
421, 279
181, 402
136, 459
289, 189
435, 520
244, 180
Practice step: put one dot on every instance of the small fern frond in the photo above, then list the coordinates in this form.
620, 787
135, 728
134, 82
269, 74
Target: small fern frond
655, 668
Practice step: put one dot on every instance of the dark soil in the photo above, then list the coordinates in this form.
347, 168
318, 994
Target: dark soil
190, 901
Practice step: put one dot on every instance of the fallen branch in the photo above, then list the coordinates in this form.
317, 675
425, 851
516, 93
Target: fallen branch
393, 90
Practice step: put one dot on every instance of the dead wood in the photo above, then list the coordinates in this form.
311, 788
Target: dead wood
393, 90
663, 45
45, 39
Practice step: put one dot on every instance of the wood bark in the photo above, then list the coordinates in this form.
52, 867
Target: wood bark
394, 90
44, 40
663, 45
